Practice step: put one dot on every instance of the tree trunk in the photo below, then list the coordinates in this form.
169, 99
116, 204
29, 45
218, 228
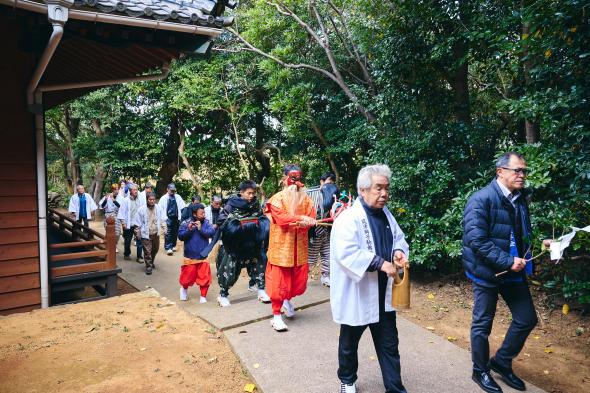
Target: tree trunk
261, 156
99, 175
531, 126
169, 167
185, 161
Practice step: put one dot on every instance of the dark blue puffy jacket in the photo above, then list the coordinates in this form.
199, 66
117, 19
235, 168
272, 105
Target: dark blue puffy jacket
488, 219
196, 240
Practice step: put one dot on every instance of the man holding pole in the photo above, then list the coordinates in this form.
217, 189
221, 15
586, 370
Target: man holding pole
496, 255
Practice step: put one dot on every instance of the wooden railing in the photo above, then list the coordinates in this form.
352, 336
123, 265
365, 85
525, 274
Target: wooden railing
97, 251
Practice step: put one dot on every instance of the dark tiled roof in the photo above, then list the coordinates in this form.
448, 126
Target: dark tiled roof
197, 12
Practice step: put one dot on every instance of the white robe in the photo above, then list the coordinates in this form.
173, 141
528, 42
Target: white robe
163, 203
354, 292
125, 211
75, 206
141, 220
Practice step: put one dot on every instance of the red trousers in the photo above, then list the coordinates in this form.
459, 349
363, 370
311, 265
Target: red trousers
283, 283
198, 273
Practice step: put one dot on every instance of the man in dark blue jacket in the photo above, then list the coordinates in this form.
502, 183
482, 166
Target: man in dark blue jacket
195, 231
496, 249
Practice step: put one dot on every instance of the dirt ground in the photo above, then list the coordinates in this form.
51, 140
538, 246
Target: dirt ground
556, 356
138, 342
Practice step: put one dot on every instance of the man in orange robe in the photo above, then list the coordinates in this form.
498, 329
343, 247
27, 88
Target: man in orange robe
291, 214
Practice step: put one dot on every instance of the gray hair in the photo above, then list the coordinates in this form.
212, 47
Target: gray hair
216, 198
365, 176
504, 159
132, 186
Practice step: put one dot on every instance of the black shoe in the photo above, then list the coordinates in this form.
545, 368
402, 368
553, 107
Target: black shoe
127, 257
507, 375
486, 382
148, 270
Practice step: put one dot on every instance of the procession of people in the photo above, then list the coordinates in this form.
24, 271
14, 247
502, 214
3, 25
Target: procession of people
360, 250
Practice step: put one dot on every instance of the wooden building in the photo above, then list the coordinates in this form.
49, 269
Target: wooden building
54, 51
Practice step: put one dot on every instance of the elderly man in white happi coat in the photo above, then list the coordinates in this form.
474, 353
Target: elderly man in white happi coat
367, 246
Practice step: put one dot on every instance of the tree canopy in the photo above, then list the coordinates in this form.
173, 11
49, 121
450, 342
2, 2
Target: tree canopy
434, 89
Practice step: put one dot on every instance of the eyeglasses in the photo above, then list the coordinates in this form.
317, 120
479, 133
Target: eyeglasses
518, 171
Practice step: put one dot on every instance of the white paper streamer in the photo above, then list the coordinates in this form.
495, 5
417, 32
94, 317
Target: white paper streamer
558, 247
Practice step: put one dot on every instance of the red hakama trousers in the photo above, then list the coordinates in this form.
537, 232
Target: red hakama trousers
284, 283
196, 273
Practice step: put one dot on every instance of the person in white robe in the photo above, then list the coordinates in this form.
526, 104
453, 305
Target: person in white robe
81, 205
367, 246
126, 215
146, 190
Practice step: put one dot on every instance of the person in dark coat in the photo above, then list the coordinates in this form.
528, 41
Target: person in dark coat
496, 257
243, 229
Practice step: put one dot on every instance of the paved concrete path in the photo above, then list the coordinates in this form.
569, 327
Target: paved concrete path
304, 359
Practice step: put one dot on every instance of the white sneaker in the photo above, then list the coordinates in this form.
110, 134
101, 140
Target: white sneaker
116, 250
168, 252
325, 280
183, 294
263, 296
174, 249
252, 288
223, 301
344, 388
278, 324
203, 300
288, 308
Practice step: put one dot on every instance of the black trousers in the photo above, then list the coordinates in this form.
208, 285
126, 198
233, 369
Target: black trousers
524, 318
171, 235
83, 221
127, 238
385, 339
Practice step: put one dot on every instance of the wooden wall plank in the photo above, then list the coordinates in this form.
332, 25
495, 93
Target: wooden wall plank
18, 188
14, 267
28, 297
18, 170
18, 235
18, 219
18, 204
18, 251
19, 283
20, 309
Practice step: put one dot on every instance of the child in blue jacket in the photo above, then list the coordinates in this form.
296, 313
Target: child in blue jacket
195, 232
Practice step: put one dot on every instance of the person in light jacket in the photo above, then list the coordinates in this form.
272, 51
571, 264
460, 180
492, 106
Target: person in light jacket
150, 223
171, 204
111, 203
366, 248
127, 213
81, 205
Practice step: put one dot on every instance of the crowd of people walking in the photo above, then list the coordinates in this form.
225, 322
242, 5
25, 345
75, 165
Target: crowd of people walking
359, 246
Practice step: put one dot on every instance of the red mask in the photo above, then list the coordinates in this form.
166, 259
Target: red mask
294, 177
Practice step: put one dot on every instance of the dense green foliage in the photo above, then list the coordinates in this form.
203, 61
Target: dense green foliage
435, 89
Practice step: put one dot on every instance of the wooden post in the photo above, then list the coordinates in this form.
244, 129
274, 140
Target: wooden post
110, 243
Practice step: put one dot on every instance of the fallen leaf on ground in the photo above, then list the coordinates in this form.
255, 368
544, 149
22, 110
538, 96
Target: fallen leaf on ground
548, 350
212, 360
546, 372
579, 330
430, 296
142, 349
256, 365
565, 309
451, 338
429, 328
372, 357
536, 337
250, 387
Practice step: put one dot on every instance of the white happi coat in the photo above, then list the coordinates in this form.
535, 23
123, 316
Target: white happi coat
125, 210
75, 206
163, 203
354, 292
141, 220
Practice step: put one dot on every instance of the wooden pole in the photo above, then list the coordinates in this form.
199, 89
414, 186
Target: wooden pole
110, 243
